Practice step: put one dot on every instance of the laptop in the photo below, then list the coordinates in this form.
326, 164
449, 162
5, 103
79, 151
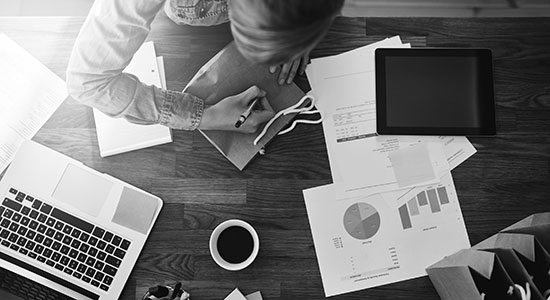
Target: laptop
68, 228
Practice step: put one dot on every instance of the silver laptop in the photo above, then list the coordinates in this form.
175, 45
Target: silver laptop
70, 228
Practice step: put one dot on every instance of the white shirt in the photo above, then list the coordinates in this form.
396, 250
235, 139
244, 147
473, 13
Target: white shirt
113, 31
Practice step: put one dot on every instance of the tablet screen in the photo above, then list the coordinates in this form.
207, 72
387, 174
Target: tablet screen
434, 91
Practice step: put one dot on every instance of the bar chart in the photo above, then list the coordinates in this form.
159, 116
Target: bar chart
434, 198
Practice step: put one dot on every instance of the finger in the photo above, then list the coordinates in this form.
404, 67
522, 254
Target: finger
284, 72
251, 93
293, 69
259, 117
303, 64
272, 69
262, 93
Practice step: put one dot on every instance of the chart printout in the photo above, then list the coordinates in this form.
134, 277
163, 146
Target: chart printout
364, 242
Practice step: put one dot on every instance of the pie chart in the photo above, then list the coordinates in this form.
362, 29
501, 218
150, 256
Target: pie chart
361, 221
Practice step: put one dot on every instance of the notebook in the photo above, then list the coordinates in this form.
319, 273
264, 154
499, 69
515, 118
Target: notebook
69, 228
116, 135
229, 73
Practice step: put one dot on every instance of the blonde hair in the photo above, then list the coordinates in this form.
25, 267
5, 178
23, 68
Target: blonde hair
276, 31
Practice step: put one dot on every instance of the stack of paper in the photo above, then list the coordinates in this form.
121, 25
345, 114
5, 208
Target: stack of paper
29, 94
393, 203
118, 135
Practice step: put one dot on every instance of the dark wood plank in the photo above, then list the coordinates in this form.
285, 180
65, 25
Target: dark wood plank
171, 218
169, 267
198, 190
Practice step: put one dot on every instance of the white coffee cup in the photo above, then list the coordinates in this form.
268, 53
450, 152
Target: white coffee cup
215, 253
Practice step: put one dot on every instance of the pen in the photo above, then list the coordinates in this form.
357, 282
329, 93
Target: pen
246, 113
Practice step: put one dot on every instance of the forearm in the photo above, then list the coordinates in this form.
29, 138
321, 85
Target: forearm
124, 96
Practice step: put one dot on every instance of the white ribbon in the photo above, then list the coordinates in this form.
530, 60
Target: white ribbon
291, 110
525, 293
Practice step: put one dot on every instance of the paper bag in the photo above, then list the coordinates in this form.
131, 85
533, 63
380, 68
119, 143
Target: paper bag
229, 73
530, 253
515, 269
468, 274
537, 225
521, 251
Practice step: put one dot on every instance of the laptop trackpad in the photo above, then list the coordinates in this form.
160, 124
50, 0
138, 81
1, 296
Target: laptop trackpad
136, 210
83, 190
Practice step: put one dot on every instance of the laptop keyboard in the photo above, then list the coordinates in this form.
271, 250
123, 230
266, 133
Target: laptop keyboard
59, 240
27, 289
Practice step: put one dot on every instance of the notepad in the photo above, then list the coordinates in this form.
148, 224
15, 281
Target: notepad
229, 73
116, 135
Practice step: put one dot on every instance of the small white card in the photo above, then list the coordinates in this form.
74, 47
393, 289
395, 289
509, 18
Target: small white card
235, 295
254, 296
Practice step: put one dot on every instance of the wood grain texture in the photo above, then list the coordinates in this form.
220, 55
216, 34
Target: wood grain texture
506, 180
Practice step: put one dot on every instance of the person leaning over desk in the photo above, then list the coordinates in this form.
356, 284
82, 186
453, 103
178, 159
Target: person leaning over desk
277, 33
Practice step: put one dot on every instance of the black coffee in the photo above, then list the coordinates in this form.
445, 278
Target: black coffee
235, 244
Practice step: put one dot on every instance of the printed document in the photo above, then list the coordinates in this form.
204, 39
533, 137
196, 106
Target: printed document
29, 94
360, 160
368, 241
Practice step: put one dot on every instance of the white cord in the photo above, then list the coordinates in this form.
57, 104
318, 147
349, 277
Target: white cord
525, 293
303, 121
290, 110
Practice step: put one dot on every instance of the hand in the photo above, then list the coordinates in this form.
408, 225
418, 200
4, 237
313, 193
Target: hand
224, 114
290, 69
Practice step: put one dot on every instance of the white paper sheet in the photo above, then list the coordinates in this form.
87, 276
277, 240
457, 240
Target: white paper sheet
162, 74
235, 295
457, 149
366, 242
118, 135
344, 86
254, 296
29, 94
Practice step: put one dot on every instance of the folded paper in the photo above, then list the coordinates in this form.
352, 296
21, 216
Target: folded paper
504, 266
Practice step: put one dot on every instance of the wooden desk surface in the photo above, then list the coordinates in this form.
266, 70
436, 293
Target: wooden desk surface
505, 181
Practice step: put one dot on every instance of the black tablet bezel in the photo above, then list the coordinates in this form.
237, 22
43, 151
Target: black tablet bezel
484, 55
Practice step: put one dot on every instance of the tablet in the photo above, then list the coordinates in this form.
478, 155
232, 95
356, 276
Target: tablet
434, 91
